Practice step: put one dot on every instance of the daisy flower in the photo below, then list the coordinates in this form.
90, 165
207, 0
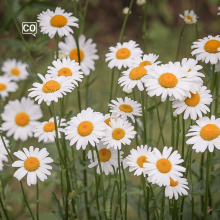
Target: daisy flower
6, 86
134, 76
137, 158
46, 130
108, 159
176, 188
162, 167
108, 117
126, 108
34, 163
189, 17
168, 80
66, 68
206, 49
15, 69
3, 151
20, 118
122, 54
87, 51
119, 132
86, 127
56, 22
51, 89
194, 106
206, 134
141, 2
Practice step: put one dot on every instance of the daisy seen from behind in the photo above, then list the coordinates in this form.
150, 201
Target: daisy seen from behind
189, 17
137, 158
20, 118
87, 127
68, 68
51, 88
46, 130
15, 69
108, 158
176, 188
205, 135
125, 108
87, 52
119, 132
34, 163
122, 54
162, 167
6, 86
58, 22
194, 106
207, 49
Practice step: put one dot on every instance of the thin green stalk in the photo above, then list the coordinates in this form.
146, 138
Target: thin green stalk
139, 207
197, 32
120, 187
3, 208
74, 167
172, 123
112, 82
84, 17
153, 197
87, 91
102, 183
183, 136
3, 187
143, 115
126, 196
177, 131
212, 87
158, 117
180, 39
135, 125
190, 173
209, 155
57, 41
201, 178
37, 202
162, 204
113, 190
144, 31
175, 211
19, 31
145, 197
216, 94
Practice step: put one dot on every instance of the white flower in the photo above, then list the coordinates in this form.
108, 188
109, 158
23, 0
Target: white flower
108, 159
168, 80
61, 56
207, 49
56, 22
34, 163
176, 188
189, 17
218, 12
15, 69
108, 117
6, 86
162, 167
194, 106
51, 89
46, 130
20, 118
136, 159
122, 54
126, 108
66, 68
125, 11
119, 132
87, 51
206, 134
141, 2
86, 127
127, 91
3, 151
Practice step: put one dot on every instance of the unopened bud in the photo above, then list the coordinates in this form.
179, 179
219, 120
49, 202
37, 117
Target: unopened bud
61, 56
126, 91
125, 11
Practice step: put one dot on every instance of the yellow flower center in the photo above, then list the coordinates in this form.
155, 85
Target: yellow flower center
189, 18
118, 133
141, 160
58, 21
145, 63
31, 164
104, 154
211, 46
74, 55
51, 86
164, 165
193, 101
126, 108
137, 73
168, 80
123, 53
210, 132
2, 86
107, 121
15, 71
49, 127
85, 128
65, 72
22, 119
173, 183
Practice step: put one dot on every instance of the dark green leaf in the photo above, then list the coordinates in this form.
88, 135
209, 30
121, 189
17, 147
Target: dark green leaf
57, 207
215, 171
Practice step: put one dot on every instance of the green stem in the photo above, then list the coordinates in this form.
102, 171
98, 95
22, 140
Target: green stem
144, 31
201, 178
143, 115
84, 17
212, 87
3, 187
113, 190
112, 81
87, 91
172, 123
57, 42
126, 196
135, 125
158, 117
120, 185
180, 39
197, 32
216, 93
177, 131
183, 137
3, 208
190, 172
162, 204
146, 199
153, 197
37, 203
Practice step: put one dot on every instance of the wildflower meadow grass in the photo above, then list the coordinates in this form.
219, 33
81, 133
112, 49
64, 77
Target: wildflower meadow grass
109, 117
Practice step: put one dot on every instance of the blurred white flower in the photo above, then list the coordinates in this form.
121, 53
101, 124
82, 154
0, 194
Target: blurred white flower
141, 2
189, 17
125, 11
